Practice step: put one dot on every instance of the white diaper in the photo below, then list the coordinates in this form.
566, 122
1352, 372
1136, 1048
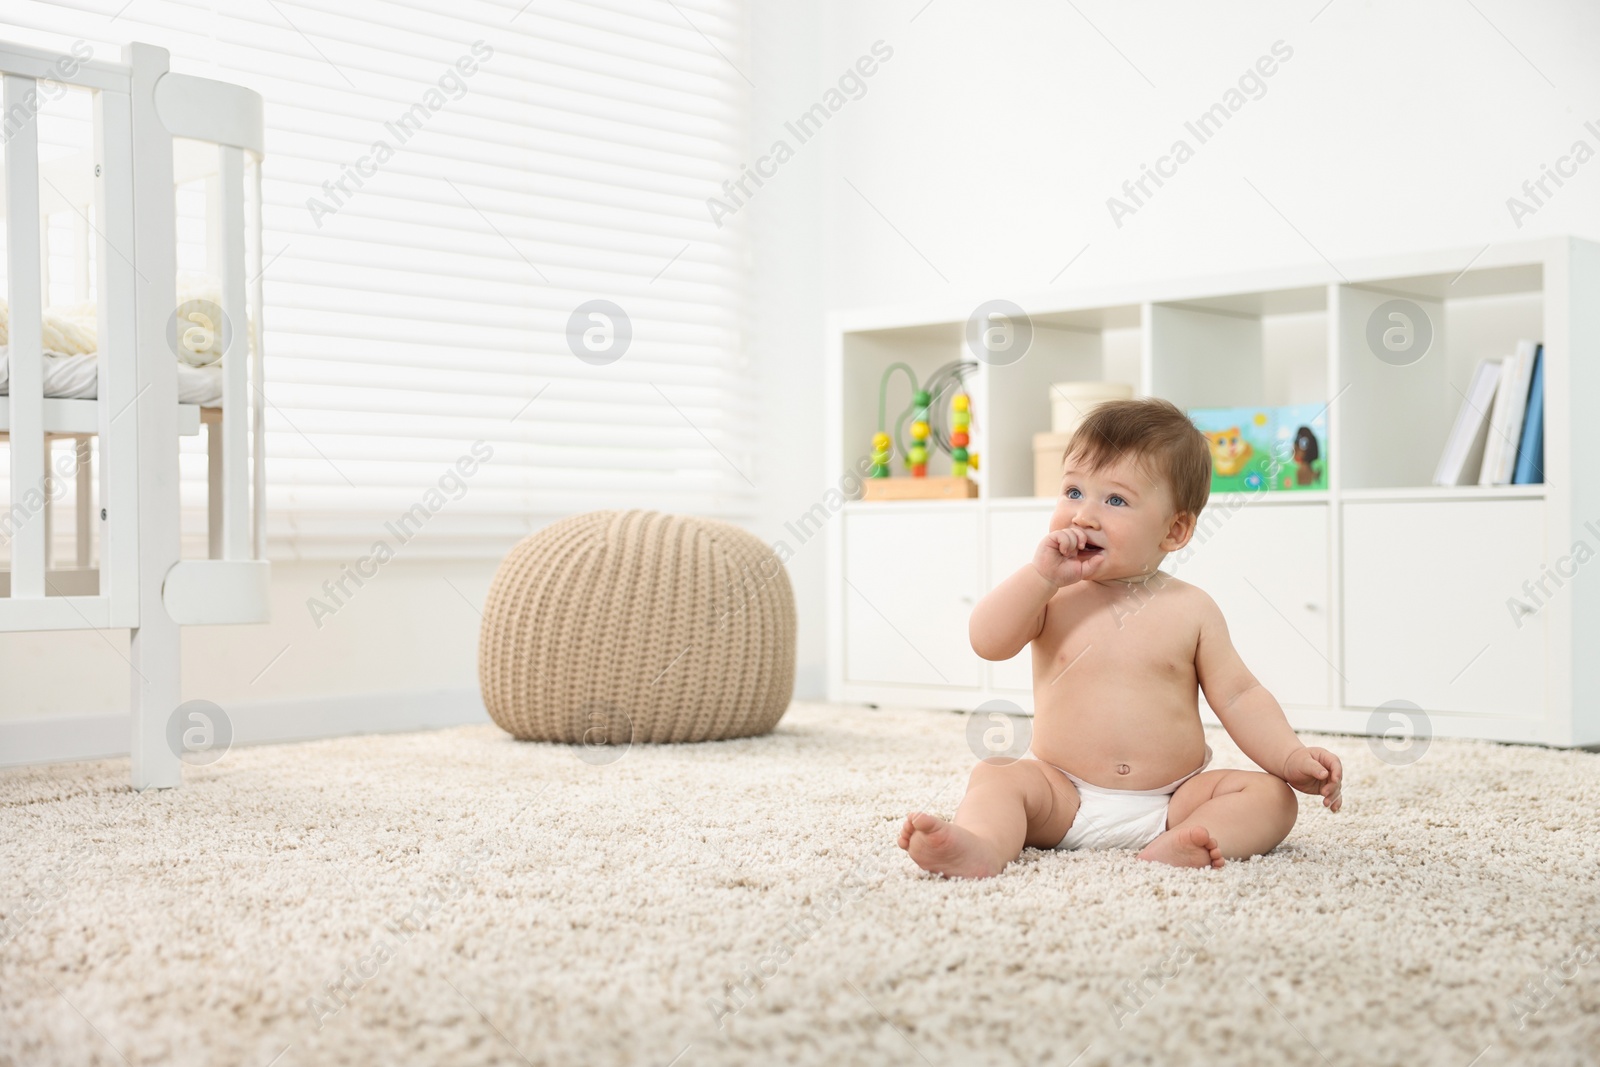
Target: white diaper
1120, 818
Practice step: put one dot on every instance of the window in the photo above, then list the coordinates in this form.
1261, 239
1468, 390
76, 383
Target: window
449, 187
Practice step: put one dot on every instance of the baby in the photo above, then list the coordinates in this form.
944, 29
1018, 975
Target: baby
1118, 757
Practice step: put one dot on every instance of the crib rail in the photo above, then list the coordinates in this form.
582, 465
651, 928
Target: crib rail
139, 107
136, 298
33, 602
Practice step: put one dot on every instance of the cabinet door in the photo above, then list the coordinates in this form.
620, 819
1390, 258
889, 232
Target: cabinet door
911, 580
1266, 566
1013, 537
1428, 612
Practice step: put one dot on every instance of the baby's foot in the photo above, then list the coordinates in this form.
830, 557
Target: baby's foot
947, 849
1186, 846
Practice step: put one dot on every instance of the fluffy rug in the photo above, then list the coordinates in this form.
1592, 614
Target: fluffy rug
459, 897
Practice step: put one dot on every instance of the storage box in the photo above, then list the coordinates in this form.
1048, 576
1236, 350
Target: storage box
1071, 401
1047, 456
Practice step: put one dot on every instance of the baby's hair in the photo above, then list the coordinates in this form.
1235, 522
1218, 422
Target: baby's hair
1158, 435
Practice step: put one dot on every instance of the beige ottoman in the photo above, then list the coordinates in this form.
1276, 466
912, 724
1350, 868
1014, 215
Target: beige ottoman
620, 626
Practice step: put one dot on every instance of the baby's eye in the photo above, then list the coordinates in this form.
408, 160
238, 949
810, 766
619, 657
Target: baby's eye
1072, 493
1116, 501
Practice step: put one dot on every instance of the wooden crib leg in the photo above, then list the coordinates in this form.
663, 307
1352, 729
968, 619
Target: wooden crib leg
85, 506
49, 508
213, 483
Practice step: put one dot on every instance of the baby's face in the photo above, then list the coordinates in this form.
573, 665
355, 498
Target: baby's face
1128, 516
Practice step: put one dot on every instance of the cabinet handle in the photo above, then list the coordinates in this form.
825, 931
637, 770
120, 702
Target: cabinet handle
966, 600
1312, 607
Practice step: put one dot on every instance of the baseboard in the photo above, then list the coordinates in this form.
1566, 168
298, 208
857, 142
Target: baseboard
59, 739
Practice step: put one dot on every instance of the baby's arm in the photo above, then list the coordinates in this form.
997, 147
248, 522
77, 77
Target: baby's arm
1012, 615
1254, 718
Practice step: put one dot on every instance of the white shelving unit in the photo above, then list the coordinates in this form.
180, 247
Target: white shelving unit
1381, 588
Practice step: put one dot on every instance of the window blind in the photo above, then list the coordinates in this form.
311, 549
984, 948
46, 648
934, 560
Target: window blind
449, 187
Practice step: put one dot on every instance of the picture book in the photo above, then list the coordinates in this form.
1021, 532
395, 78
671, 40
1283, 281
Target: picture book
1505, 421
1259, 449
1463, 450
1530, 452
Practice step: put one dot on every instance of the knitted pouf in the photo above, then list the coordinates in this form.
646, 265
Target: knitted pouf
619, 626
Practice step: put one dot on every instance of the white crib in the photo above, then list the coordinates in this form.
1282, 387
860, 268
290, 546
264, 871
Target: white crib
124, 195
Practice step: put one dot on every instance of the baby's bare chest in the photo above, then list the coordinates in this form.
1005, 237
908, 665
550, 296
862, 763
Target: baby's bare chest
1138, 636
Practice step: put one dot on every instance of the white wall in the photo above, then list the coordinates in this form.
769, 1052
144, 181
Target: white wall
993, 138
990, 141
788, 286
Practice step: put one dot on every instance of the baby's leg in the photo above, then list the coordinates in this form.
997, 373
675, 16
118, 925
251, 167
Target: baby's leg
1243, 813
1009, 804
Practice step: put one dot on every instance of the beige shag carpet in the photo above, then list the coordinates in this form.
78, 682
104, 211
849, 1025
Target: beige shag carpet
458, 897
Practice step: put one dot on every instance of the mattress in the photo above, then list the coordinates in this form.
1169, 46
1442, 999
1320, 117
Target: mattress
76, 378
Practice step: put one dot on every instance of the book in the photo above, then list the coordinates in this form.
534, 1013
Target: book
1266, 448
1505, 422
1530, 451
1462, 458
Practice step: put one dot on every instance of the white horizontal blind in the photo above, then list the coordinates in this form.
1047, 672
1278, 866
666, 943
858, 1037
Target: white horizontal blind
554, 154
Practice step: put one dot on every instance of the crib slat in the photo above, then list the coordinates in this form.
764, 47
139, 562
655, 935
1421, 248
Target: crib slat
28, 487
118, 413
235, 362
154, 644
258, 398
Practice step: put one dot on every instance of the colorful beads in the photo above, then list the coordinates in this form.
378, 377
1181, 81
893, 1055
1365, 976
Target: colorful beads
922, 443
960, 419
917, 457
880, 456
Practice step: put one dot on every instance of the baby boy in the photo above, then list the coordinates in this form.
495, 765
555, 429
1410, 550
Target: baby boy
1118, 757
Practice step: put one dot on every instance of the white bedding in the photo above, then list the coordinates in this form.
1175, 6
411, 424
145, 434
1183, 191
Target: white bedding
75, 378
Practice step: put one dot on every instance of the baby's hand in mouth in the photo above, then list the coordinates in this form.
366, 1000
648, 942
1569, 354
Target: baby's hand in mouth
1067, 556
1089, 546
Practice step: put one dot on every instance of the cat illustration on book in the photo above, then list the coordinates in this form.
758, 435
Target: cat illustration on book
1270, 448
1229, 451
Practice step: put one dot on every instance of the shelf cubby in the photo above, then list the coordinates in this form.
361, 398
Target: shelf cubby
867, 355
1243, 349
1390, 420
1092, 344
